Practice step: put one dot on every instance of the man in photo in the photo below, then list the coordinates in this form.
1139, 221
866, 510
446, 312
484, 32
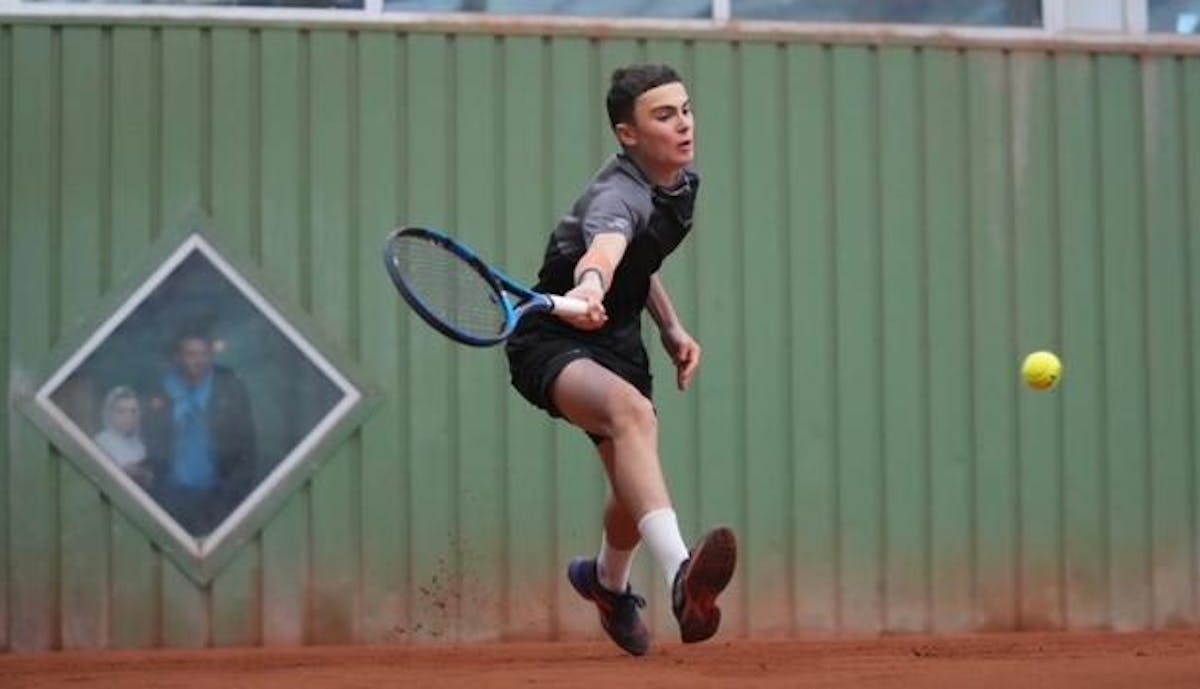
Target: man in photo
200, 432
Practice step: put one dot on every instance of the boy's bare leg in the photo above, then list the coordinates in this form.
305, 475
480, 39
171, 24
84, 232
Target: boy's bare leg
620, 538
600, 402
605, 580
604, 404
619, 525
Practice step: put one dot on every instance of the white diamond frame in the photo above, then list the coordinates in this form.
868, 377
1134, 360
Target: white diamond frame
197, 555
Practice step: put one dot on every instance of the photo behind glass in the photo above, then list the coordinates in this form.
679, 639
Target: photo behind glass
257, 397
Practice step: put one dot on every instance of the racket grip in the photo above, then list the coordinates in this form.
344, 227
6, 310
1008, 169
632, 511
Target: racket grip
568, 306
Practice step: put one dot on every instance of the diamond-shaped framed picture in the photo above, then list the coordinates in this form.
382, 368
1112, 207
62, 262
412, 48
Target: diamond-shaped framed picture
197, 401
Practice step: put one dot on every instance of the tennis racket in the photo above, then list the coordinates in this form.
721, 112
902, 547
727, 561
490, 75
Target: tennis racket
450, 287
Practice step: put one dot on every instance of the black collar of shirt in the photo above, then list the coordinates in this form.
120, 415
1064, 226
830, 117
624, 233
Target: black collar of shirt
687, 180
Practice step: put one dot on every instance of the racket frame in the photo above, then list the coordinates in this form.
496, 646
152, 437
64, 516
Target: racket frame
504, 287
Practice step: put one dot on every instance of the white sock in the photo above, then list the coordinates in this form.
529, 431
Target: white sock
660, 533
614, 566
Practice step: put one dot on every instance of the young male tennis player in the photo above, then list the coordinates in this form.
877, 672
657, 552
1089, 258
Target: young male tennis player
593, 369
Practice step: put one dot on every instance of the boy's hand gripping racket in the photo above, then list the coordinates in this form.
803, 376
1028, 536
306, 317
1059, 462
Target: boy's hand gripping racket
460, 295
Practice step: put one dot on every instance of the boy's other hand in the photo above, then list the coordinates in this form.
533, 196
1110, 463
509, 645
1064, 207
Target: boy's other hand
685, 353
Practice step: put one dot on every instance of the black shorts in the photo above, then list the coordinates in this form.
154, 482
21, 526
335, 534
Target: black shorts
536, 357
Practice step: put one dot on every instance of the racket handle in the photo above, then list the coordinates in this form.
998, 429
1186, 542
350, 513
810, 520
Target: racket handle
568, 306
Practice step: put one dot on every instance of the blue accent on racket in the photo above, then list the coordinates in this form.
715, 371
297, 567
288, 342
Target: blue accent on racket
452, 289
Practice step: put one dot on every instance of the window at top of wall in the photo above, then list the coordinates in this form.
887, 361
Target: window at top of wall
664, 9
1175, 16
964, 12
295, 4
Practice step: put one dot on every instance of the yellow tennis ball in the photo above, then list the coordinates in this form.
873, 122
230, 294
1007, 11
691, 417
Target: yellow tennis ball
1042, 370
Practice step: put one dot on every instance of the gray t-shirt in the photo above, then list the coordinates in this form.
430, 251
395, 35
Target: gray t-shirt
620, 198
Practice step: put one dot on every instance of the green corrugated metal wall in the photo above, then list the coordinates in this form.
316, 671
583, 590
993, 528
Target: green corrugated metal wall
884, 231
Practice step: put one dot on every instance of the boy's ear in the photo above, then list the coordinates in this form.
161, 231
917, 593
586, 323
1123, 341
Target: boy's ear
625, 134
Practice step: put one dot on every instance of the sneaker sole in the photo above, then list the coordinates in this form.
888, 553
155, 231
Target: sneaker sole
709, 573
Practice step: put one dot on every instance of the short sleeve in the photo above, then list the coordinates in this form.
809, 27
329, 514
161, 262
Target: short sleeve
607, 212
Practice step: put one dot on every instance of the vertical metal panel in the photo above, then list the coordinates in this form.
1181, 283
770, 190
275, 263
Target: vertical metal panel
232, 88
816, 568
333, 529
994, 388
284, 162
947, 242
1166, 309
1035, 261
182, 121
903, 322
6, 268
855, 299
380, 204
135, 605
1084, 502
883, 232
83, 514
431, 451
1190, 118
765, 268
33, 590
1123, 247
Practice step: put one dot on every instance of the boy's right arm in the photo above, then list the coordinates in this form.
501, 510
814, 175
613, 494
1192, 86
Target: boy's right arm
593, 276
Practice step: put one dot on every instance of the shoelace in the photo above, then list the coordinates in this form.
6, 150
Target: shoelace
629, 597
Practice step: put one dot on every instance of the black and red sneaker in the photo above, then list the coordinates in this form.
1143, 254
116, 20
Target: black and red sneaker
700, 579
618, 611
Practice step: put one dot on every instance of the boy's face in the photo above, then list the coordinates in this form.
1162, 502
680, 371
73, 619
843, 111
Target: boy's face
662, 135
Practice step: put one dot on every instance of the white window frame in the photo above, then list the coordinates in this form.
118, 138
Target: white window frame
1057, 15
349, 396
200, 557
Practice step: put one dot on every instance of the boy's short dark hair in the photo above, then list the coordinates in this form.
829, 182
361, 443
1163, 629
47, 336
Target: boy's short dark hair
630, 82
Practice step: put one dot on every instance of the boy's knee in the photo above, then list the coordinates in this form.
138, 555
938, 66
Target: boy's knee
633, 412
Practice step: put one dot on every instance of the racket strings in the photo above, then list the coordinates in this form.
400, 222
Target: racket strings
451, 289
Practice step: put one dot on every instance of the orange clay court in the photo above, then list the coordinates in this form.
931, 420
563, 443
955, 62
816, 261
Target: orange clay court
1158, 660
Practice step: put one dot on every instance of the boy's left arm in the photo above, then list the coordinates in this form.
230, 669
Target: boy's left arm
683, 349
